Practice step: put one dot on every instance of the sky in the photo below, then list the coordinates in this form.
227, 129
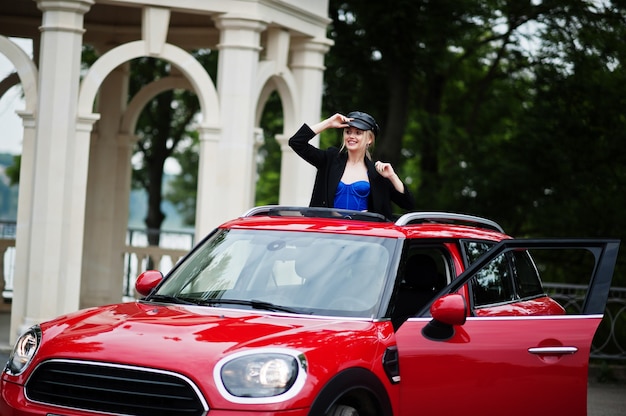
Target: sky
10, 122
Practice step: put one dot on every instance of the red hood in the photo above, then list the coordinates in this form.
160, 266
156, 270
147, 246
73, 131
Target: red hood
146, 334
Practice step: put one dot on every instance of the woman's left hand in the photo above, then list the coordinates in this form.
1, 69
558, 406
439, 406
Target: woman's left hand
384, 169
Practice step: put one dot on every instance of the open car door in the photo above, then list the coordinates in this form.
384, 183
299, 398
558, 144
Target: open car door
453, 361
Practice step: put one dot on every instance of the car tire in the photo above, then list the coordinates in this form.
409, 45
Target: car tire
352, 392
343, 410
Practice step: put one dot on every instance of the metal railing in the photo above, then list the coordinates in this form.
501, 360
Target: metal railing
139, 256
610, 340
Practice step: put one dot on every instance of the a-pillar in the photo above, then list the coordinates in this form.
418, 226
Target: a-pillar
307, 67
55, 244
239, 47
108, 193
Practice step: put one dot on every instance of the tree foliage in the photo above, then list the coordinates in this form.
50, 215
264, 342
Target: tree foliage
182, 188
503, 108
163, 126
269, 154
507, 109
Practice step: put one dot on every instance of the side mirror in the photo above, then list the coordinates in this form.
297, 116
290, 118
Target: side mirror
147, 281
447, 311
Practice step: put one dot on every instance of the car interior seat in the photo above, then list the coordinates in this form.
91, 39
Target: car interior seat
418, 286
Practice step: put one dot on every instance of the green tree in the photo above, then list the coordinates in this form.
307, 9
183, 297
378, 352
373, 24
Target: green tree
569, 145
508, 109
13, 171
164, 130
9, 176
161, 127
432, 72
182, 188
269, 154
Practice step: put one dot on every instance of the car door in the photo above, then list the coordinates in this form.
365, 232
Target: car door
494, 365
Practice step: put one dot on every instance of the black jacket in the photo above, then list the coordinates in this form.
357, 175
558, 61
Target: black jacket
331, 163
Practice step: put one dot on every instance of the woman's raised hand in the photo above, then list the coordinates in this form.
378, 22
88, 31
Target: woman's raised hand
384, 169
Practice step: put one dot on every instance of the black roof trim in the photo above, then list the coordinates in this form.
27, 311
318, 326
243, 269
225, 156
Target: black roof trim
447, 217
314, 212
406, 219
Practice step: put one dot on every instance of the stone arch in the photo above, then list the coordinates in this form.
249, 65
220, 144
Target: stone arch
10, 81
141, 99
26, 71
270, 79
194, 72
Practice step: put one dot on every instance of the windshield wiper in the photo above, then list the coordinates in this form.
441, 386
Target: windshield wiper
172, 299
268, 306
256, 304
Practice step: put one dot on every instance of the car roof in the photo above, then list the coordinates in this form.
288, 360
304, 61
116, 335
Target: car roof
413, 225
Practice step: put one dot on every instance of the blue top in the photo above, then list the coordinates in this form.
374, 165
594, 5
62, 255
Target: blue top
352, 196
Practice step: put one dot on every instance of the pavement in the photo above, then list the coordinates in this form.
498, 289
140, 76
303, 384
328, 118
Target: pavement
603, 398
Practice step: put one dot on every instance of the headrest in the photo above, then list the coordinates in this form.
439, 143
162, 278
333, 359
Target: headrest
420, 272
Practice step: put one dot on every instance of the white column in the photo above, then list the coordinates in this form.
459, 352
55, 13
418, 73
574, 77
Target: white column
208, 162
236, 83
55, 248
23, 232
108, 190
307, 67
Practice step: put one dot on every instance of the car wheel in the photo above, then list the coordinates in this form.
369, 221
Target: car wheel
342, 410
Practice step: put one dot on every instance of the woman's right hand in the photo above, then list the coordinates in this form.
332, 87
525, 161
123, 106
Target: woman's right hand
336, 121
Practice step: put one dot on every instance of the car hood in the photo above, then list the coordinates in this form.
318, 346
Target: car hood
174, 337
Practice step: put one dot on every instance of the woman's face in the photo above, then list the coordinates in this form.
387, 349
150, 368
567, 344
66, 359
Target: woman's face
356, 139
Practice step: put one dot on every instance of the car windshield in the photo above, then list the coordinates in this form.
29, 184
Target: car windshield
300, 272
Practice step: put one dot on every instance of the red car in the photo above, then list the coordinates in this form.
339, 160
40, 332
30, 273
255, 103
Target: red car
303, 311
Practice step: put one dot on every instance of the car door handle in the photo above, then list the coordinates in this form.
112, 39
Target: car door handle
553, 350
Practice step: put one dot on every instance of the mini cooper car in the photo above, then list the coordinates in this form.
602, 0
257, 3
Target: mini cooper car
306, 311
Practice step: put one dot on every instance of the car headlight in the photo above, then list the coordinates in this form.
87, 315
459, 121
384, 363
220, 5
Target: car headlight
24, 350
271, 374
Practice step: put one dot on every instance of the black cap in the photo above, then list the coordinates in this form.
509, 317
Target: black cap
363, 121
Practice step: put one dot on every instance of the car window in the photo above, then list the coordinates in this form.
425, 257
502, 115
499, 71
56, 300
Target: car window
493, 284
510, 277
220, 271
527, 279
311, 272
440, 258
474, 249
424, 271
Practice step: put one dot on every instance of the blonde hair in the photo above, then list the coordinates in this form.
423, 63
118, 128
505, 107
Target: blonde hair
369, 135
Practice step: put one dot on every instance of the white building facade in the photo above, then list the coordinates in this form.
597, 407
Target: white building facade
79, 124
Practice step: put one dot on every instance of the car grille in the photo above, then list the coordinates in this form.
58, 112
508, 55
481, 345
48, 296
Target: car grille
117, 389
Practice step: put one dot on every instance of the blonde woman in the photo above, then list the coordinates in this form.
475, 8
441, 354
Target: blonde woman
347, 177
